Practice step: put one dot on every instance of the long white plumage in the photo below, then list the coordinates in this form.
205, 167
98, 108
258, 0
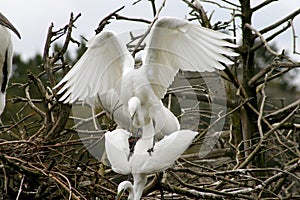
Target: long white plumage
143, 162
107, 65
6, 55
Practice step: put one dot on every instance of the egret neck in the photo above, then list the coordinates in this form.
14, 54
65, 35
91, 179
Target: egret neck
140, 181
135, 111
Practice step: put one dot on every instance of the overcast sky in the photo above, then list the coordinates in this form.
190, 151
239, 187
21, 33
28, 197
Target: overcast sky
33, 17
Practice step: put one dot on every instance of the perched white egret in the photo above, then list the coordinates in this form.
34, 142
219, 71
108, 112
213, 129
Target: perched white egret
174, 44
141, 161
6, 55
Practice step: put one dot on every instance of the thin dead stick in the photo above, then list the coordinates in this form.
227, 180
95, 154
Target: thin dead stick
262, 39
277, 24
121, 17
262, 5
35, 108
259, 144
261, 109
294, 38
198, 138
20, 188
277, 112
105, 21
135, 50
288, 65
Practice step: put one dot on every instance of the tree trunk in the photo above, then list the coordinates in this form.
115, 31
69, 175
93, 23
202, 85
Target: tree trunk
249, 118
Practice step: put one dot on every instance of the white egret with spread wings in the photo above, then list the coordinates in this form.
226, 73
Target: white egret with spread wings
107, 65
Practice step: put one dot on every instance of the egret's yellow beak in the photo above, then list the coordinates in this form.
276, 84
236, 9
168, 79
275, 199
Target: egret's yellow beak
132, 117
4, 21
120, 194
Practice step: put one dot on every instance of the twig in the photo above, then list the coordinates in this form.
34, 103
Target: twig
263, 4
217, 4
254, 80
262, 39
271, 37
153, 7
120, 17
35, 108
20, 188
136, 48
277, 24
106, 21
261, 109
237, 150
136, 2
206, 21
266, 135
207, 192
198, 138
294, 38
282, 110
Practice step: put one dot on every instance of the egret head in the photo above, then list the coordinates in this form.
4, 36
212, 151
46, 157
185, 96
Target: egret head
134, 104
123, 186
139, 58
4, 22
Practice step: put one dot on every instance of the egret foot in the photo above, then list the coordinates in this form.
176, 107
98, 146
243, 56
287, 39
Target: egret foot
150, 151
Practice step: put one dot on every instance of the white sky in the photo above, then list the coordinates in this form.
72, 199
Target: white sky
33, 17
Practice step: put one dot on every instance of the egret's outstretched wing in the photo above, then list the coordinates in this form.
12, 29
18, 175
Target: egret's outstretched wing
167, 150
117, 150
98, 70
178, 44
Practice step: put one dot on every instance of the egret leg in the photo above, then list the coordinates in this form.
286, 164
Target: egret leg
132, 142
115, 108
161, 190
152, 148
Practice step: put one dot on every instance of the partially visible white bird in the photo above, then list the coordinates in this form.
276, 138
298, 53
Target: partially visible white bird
141, 161
174, 44
6, 55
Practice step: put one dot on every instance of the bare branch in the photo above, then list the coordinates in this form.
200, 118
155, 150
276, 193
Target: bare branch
277, 24
106, 19
135, 50
294, 38
271, 37
120, 17
262, 39
262, 5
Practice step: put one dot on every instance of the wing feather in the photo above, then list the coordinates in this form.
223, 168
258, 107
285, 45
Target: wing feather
178, 44
168, 150
98, 70
117, 150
